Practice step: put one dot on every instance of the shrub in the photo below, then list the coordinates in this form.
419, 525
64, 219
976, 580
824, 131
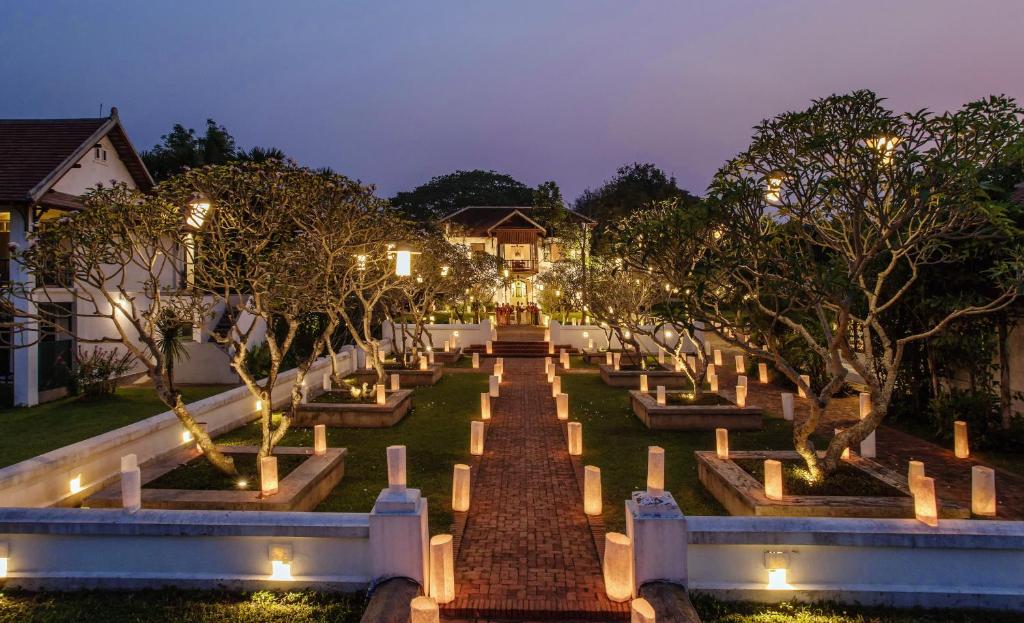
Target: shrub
97, 371
981, 410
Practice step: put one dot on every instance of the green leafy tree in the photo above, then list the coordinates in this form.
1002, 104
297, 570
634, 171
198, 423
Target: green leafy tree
446, 194
182, 148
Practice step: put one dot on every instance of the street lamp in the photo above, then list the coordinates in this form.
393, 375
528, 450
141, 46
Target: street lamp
403, 259
199, 208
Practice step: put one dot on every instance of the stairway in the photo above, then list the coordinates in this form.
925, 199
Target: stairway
515, 348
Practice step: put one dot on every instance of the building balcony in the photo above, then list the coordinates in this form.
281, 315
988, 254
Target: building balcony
521, 266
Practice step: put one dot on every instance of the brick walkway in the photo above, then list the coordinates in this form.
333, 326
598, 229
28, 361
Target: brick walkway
525, 549
894, 447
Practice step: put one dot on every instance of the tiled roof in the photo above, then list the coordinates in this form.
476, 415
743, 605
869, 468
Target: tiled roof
477, 220
33, 149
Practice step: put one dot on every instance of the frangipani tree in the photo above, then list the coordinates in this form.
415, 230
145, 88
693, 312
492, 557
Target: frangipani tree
119, 259
831, 214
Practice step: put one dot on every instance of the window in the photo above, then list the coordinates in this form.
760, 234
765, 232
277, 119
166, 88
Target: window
478, 247
5, 222
99, 154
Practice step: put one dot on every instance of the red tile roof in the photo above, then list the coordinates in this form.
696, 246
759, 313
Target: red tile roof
478, 220
31, 150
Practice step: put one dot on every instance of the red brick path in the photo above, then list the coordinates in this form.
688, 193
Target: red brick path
525, 549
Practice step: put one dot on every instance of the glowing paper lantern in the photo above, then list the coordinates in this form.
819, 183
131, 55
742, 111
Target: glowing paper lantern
865, 405
382, 396
643, 382
925, 505
607, 358
442, 568
551, 374
75, 484
492, 385
718, 357
741, 380
319, 439
268, 475
566, 363
575, 430
562, 406
424, 610
476, 361
762, 372
396, 468
641, 611
915, 470
590, 344
678, 362
787, 406
281, 562
983, 491
806, 381
131, 490
447, 346
396, 382
655, 471
547, 335
485, 406
618, 566
476, 437
711, 370
490, 347
424, 365
741, 396
722, 442
592, 490
741, 364
259, 405
556, 386
616, 361
713, 382
960, 445
460, 488
551, 348
403, 263
773, 479
430, 357
659, 395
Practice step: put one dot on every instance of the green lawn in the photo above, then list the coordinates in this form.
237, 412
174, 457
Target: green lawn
28, 432
712, 611
180, 607
436, 434
616, 441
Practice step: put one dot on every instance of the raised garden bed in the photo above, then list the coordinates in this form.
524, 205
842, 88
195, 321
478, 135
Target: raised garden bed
448, 358
629, 376
862, 488
186, 481
339, 408
598, 356
408, 377
711, 412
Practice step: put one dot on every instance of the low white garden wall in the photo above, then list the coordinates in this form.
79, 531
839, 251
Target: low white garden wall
468, 334
895, 562
69, 549
572, 335
45, 480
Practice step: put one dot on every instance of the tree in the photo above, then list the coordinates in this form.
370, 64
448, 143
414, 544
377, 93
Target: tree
119, 259
182, 149
833, 213
446, 194
634, 186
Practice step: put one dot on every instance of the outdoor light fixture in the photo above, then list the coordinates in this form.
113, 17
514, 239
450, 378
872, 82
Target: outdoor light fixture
575, 430
403, 263
592, 490
713, 383
643, 383
320, 439
983, 491
505, 273
773, 189
75, 483
787, 405
915, 470
641, 611
199, 208
444, 271
268, 475
460, 488
618, 566
476, 437
281, 562
960, 443
722, 443
5, 555
424, 610
655, 471
396, 468
660, 395
777, 564
762, 372
925, 505
772, 479
186, 436
442, 568
361, 262
259, 405
562, 406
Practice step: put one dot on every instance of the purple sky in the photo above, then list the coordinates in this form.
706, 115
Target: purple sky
396, 92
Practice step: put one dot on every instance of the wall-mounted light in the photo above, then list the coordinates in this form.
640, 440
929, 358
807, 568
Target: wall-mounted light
75, 484
5, 555
281, 562
199, 208
777, 564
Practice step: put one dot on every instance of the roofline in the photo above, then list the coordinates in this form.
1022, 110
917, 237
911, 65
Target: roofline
587, 220
511, 214
112, 122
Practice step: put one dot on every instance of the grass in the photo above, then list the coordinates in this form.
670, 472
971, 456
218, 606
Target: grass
180, 607
846, 480
201, 475
1003, 459
30, 431
616, 441
436, 434
714, 611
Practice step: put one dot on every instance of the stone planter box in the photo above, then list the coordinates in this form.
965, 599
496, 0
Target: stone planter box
655, 377
407, 377
696, 417
741, 494
355, 414
598, 356
301, 490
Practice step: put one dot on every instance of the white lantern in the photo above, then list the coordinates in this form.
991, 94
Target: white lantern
787, 406
711, 371
556, 386
442, 568
592, 504
575, 430
403, 263
485, 406
382, 396
641, 611
961, 448
983, 491
424, 610
915, 470
762, 372
607, 358
926, 507
476, 361
722, 443
741, 364
773, 479
396, 382
741, 396
424, 364
718, 357
713, 383
131, 490
618, 566
551, 374
490, 347
268, 475
865, 405
493, 382
562, 406
616, 361
655, 471
396, 468
320, 439
660, 395
476, 437
460, 488
643, 382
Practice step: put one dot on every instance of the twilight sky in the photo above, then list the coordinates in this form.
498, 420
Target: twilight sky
396, 92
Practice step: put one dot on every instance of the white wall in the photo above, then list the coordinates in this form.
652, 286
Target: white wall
92, 548
569, 335
92, 172
469, 334
899, 562
45, 480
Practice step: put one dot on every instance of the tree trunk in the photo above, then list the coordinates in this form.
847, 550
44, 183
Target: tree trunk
1005, 398
216, 458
